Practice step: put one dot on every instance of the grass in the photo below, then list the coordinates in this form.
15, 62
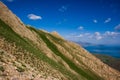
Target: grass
12, 37
84, 71
7, 33
53, 48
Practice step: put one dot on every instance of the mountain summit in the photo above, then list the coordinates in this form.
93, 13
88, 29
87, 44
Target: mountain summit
27, 53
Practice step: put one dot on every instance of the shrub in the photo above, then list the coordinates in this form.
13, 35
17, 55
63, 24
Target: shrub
20, 69
2, 69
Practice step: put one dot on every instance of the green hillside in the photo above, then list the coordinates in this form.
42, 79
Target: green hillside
25, 44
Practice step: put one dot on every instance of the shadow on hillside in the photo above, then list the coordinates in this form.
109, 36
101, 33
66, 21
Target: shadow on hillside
112, 62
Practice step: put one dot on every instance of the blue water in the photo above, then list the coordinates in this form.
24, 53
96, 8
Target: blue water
113, 51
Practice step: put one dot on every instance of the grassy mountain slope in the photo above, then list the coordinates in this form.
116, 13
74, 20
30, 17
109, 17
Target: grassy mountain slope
73, 66
47, 53
10, 36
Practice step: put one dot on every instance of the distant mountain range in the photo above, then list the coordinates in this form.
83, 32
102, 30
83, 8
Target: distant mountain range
85, 44
27, 53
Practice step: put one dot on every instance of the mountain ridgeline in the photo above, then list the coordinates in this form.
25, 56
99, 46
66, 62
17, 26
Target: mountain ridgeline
27, 53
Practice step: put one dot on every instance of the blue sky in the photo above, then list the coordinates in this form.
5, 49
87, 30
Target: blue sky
92, 21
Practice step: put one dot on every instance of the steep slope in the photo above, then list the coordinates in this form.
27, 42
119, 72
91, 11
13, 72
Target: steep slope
62, 54
45, 54
15, 23
23, 51
11, 69
78, 59
25, 43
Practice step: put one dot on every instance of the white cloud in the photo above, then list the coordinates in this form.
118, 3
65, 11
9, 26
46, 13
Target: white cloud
117, 27
62, 9
107, 33
81, 28
97, 33
97, 36
95, 21
10, 0
107, 37
107, 20
111, 34
34, 17
94, 36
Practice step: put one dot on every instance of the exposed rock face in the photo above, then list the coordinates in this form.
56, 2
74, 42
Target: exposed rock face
64, 60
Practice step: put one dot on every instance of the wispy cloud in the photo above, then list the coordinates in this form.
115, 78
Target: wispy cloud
34, 17
95, 21
117, 28
80, 28
10, 0
79, 36
107, 20
63, 8
61, 22
111, 34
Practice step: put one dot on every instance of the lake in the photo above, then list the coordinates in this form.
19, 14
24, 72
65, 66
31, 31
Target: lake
113, 51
